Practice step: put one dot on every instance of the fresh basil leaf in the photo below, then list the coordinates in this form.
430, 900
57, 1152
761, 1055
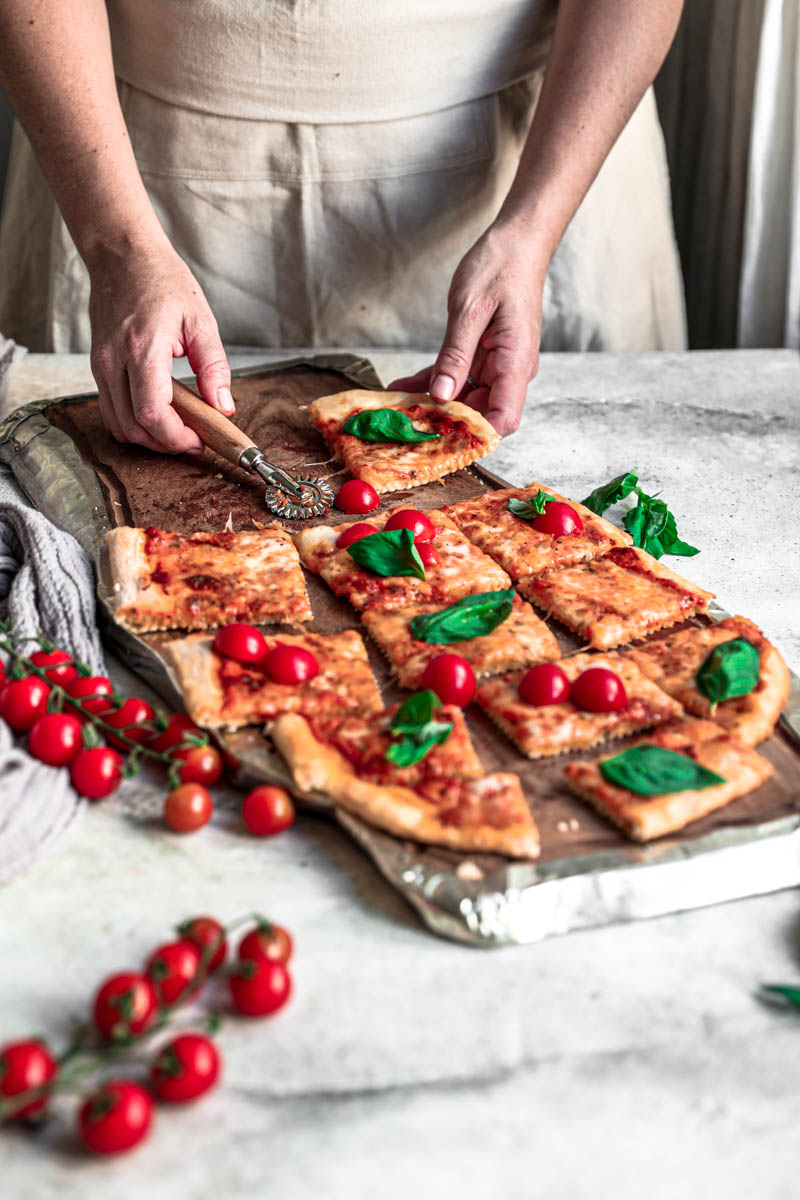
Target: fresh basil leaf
531, 508
417, 710
652, 527
786, 995
654, 771
412, 748
388, 552
731, 670
472, 617
611, 493
384, 425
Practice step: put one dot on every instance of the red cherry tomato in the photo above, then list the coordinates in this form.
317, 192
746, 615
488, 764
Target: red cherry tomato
23, 701
451, 677
185, 1068
290, 664
129, 719
428, 554
244, 643
599, 690
206, 932
24, 1066
267, 941
180, 726
558, 519
55, 739
201, 764
171, 968
96, 773
355, 496
124, 1006
57, 665
259, 986
188, 807
354, 533
544, 684
115, 1117
84, 686
421, 526
267, 810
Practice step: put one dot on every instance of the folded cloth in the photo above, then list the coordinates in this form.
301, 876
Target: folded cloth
10, 354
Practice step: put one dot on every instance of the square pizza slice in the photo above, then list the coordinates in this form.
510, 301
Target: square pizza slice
398, 440
761, 682
540, 730
221, 693
514, 541
165, 580
519, 640
622, 596
443, 800
456, 567
678, 774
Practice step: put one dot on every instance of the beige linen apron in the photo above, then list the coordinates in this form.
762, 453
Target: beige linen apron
324, 170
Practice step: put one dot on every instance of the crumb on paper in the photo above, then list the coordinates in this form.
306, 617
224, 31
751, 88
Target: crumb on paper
228, 527
562, 826
219, 475
469, 870
574, 824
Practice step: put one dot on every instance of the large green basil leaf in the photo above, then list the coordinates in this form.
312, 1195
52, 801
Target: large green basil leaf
419, 732
611, 493
731, 669
417, 710
534, 506
388, 552
472, 617
652, 527
653, 771
384, 425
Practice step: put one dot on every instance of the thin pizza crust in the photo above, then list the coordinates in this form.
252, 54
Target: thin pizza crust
517, 546
643, 818
394, 466
617, 598
674, 661
543, 730
400, 810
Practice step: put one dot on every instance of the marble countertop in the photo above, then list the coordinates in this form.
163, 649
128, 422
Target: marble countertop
633, 1060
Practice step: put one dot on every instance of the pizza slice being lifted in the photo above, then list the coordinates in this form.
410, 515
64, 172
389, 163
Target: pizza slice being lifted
398, 440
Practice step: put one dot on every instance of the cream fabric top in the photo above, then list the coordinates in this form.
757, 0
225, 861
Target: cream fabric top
321, 61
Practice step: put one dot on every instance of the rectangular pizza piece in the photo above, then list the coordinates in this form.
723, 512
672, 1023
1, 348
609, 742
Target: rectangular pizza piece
462, 436
220, 693
622, 596
461, 569
518, 546
674, 661
442, 800
547, 729
643, 817
520, 640
165, 580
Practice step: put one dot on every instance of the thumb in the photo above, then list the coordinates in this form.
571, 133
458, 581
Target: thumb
209, 362
449, 374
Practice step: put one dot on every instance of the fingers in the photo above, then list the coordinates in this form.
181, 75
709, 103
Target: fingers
412, 383
466, 323
208, 360
510, 373
150, 387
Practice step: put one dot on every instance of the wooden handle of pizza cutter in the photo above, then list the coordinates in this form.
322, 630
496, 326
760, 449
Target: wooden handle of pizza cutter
216, 431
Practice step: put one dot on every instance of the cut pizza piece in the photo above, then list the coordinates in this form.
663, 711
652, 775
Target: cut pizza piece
460, 568
742, 689
166, 580
513, 539
614, 599
221, 693
519, 640
540, 730
676, 775
442, 800
398, 440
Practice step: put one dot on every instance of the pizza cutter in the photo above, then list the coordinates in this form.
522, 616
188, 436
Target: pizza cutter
292, 496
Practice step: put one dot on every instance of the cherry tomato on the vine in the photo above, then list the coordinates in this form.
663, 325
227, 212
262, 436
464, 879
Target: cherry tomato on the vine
188, 807
355, 496
124, 1005
354, 533
558, 519
55, 739
24, 1066
428, 554
267, 941
206, 932
420, 525
289, 664
115, 1117
185, 1068
544, 683
259, 986
179, 728
171, 968
267, 810
130, 720
241, 642
96, 772
599, 690
451, 677
23, 701
57, 665
97, 686
201, 764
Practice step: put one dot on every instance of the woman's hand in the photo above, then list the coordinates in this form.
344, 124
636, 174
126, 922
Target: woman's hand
493, 328
147, 308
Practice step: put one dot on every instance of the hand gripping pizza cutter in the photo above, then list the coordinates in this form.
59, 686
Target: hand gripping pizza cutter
295, 497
